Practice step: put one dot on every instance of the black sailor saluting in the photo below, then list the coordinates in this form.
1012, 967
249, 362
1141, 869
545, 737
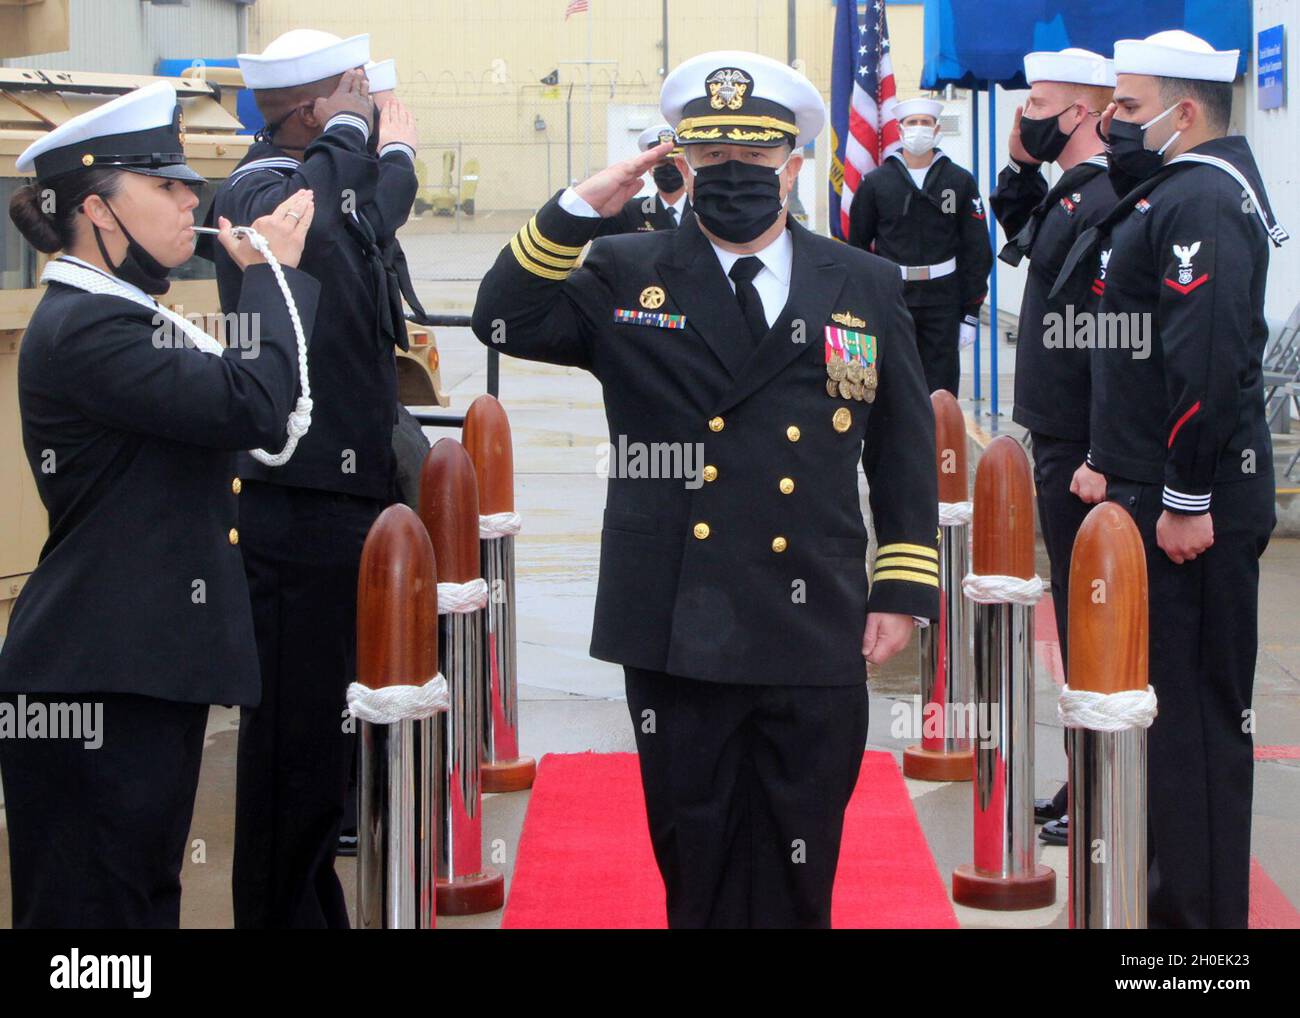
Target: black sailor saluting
738, 601
139, 601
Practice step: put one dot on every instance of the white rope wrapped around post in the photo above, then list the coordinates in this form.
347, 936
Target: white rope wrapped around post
954, 514
1106, 712
390, 704
459, 598
499, 525
1002, 589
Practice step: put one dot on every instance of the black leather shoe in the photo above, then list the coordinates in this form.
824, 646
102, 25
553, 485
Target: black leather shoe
347, 843
1045, 811
1055, 832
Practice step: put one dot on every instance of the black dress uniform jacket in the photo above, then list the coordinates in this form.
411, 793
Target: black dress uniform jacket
1052, 383
140, 587
943, 220
1188, 252
642, 215
690, 581
353, 372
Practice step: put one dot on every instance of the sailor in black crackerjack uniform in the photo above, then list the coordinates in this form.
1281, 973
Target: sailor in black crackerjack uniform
923, 212
1068, 92
1178, 437
735, 595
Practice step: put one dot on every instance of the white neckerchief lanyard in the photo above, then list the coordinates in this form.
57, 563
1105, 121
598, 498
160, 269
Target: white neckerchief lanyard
72, 271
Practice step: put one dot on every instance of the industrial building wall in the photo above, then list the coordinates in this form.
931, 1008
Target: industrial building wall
471, 72
130, 37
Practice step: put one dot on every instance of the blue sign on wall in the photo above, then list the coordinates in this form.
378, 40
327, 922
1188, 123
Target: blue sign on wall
1271, 61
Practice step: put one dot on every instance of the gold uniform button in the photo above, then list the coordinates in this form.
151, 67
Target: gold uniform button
842, 420
792, 433
786, 485
716, 424
236, 485
233, 536
710, 473
701, 531
779, 544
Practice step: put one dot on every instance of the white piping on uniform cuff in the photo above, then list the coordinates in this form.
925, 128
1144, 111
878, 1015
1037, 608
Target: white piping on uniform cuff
398, 147
576, 205
1184, 503
920, 623
352, 120
1013, 166
1088, 460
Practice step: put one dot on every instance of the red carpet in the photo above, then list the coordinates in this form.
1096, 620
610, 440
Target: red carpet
585, 860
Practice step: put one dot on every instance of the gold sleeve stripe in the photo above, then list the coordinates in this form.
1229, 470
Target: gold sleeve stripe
904, 574
903, 562
533, 267
550, 245
909, 549
539, 255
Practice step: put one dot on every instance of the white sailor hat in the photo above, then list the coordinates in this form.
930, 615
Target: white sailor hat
139, 131
1073, 65
657, 135
1175, 54
918, 107
382, 75
303, 55
740, 98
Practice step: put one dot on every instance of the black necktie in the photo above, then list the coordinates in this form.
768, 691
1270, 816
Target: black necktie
751, 306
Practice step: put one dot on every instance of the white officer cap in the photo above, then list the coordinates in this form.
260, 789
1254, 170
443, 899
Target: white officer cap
740, 98
303, 55
1175, 54
918, 107
139, 132
382, 75
657, 135
1073, 65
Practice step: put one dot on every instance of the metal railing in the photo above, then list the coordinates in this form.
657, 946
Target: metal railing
452, 420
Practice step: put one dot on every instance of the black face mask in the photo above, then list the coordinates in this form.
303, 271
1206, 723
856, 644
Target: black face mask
668, 178
1043, 138
1128, 160
139, 267
737, 201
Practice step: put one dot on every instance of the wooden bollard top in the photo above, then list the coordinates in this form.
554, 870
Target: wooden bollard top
1003, 529
397, 603
1108, 604
449, 509
487, 440
949, 446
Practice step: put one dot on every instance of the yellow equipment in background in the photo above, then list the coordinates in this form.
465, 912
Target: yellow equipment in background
445, 197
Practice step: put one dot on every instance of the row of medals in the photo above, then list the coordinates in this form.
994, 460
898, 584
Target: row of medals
851, 380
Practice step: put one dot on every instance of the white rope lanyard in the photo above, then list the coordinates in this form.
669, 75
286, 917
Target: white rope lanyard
954, 514
78, 274
992, 589
462, 598
390, 704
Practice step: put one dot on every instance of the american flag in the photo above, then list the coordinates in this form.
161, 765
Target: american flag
864, 130
575, 7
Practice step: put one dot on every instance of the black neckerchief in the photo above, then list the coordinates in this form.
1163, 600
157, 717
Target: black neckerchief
912, 189
1021, 246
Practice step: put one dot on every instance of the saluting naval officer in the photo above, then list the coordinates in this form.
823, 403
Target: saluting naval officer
1068, 90
1178, 437
923, 212
303, 527
137, 615
736, 597
662, 210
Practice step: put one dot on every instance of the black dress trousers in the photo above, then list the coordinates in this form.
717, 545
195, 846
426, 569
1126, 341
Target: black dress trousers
1060, 515
302, 553
938, 329
745, 790
1204, 618
98, 834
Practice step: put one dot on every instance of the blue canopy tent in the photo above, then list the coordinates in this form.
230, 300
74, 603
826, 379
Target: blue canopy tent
980, 44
